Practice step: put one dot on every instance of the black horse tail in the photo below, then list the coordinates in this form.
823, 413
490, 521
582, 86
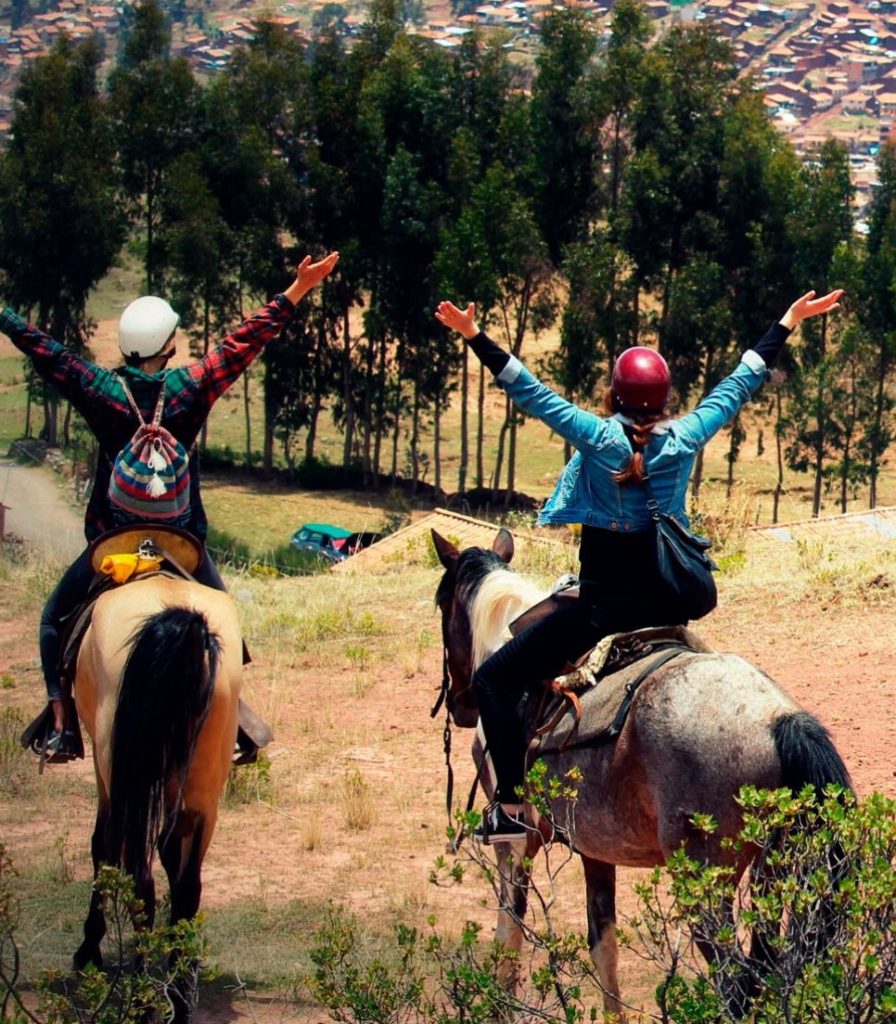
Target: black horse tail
164, 698
808, 757
807, 754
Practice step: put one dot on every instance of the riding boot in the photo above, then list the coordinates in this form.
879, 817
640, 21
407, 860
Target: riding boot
252, 733
55, 735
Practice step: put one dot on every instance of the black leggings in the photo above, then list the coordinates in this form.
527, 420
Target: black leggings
535, 655
70, 591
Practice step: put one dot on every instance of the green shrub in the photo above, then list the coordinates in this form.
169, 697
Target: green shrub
94, 996
822, 897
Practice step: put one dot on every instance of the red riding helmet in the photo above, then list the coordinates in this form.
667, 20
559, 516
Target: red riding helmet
641, 380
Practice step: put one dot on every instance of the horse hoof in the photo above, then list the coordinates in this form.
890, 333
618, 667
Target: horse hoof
84, 956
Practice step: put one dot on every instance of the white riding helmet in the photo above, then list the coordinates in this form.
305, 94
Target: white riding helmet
145, 325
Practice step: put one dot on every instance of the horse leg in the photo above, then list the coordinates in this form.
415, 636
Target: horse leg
95, 923
600, 896
513, 901
181, 853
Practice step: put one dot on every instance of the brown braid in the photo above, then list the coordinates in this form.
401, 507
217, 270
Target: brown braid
642, 425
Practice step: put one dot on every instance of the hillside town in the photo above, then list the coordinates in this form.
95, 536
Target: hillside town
828, 66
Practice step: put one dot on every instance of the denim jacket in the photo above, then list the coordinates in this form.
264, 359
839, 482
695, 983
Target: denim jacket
586, 491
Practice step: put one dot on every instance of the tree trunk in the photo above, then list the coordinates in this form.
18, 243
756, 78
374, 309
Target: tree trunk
28, 386
437, 449
51, 418
480, 429
415, 439
697, 475
464, 422
206, 331
67, 425
367, 440
779, 456
380, 409
267, 460
499, 459
877, 425
511, 462
247, 415
347, 397
317, 398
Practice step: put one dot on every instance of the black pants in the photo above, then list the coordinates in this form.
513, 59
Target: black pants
538, 654
70, 591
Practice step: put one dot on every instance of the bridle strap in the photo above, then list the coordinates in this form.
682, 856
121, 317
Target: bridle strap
446, 685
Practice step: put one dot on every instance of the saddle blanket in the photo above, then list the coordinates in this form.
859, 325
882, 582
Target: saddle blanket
607, 682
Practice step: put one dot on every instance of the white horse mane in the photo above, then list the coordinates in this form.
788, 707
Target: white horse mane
501, 597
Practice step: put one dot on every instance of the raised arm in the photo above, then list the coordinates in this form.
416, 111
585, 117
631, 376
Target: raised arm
73, 377
223, 366
726, 399
575, 425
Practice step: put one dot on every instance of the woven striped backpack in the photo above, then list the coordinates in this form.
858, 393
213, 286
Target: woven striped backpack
151, 475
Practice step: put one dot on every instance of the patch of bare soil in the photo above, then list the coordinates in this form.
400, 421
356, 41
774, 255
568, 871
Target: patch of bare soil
333, 717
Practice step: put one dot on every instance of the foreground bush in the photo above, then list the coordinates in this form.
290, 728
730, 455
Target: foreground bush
809, 936
118, 994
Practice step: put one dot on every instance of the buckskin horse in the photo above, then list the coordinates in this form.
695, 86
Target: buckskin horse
157, 687
699, 727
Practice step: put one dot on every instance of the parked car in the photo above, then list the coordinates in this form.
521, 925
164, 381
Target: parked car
360, 540
322, 539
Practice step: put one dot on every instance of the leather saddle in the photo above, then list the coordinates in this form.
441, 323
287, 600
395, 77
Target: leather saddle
177, 555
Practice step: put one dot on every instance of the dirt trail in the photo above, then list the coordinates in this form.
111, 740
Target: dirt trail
39, 512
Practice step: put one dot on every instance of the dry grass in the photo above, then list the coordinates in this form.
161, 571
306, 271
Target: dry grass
351, 805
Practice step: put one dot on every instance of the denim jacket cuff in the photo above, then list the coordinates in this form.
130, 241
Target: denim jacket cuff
511, 371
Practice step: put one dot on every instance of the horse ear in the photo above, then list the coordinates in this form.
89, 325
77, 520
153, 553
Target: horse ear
502, 545
446, 551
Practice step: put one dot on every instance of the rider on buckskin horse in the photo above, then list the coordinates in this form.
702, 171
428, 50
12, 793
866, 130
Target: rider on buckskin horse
602, 487
181, 398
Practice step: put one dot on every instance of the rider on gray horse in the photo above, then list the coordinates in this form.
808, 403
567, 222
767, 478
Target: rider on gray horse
602, 487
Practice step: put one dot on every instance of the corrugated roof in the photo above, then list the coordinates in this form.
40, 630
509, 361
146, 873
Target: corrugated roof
881, 521
464, 531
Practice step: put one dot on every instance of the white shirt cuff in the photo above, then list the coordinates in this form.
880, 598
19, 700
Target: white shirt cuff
511, 371
754, 361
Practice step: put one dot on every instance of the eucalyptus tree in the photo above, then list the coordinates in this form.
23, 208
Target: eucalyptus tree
495, 254
333, 211
878, 309
153, 99
670, 202
615, 90
405, 115
825, 226
61, 225
200, 254
598, 319
255, 130
493, 127
760, 185
565, 149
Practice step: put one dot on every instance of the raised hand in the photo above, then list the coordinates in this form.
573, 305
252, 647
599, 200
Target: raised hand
461, 320
310, 274
807, 305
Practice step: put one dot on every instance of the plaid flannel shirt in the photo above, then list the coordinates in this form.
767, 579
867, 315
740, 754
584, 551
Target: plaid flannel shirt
190, 392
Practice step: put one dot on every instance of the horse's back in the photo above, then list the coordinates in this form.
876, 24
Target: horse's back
118, 617
699, 728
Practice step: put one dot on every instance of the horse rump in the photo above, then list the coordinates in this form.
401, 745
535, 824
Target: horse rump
164, 699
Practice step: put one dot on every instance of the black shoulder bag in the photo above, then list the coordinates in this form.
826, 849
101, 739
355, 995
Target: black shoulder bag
683, 561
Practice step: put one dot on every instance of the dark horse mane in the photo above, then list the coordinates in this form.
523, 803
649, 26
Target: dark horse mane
470, 569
